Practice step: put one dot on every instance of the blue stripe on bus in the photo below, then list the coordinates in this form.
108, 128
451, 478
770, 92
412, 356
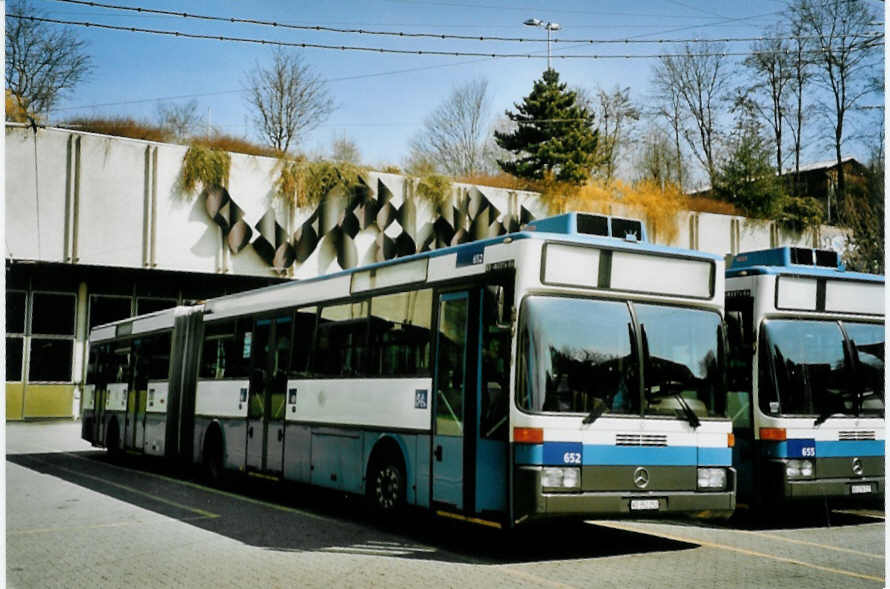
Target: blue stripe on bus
830, 449
555, 453
715, 456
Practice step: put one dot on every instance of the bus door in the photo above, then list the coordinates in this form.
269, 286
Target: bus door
492, 402
266, 394
454, 401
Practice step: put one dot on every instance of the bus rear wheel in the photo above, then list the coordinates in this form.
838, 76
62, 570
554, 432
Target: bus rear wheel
386, 489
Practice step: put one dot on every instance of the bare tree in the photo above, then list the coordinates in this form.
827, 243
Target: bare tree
344, 149
288, 100
670, 108
657, 159
800, 63
616, 115
180, 120
771, 67
454, 135
699, 78
43, 62
845, 44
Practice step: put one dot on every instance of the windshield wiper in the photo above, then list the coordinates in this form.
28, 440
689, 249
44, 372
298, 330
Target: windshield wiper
598, 409
687, 411
823, 417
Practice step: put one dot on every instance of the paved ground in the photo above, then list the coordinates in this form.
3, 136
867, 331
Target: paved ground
74, 519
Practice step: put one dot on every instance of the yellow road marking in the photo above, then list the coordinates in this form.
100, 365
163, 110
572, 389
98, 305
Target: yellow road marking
708, 544
808, 543
474, 520
860, 513
154, 497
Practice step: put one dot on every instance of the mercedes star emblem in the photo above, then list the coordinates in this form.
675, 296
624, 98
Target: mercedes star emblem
857, 467
641, 477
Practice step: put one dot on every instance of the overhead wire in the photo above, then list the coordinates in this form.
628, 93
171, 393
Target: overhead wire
408, 35
383, 50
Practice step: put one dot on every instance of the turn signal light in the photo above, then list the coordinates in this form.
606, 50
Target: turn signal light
776, 434
528, 435
730, 440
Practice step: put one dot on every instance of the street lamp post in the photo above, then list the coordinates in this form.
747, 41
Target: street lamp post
550, 26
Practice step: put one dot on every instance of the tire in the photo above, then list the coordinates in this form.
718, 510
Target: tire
386, 487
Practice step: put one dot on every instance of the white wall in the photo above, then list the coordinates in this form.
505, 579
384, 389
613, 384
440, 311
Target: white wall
118, 202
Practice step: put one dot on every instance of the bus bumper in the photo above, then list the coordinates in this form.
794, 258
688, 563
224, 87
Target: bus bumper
864, 488
532, 502
832, 480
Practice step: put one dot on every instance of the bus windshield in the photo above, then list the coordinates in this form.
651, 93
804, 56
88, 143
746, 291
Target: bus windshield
577, 354
812, 374
683, 349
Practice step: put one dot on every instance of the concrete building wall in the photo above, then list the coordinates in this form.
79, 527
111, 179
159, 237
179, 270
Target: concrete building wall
79, 200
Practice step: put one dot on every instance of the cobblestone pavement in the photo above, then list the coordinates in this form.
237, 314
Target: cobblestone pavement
75, 519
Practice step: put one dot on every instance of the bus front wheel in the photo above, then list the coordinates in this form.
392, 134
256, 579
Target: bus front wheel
386, 490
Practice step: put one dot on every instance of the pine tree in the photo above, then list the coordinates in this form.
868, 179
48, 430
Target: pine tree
555, 137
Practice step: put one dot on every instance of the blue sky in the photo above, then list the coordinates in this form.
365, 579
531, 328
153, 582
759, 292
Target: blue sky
383, 99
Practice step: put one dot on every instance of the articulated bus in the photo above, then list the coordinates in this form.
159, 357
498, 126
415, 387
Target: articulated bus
569, 369
806, 377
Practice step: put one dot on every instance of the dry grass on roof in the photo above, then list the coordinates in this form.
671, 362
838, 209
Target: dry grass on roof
147, 131
117, 127
495, 181
235, 145
658, 205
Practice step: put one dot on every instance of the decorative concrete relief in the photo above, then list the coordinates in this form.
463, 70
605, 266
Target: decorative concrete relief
401, 224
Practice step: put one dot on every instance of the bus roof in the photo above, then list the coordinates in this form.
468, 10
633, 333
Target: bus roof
466, 251
794, 261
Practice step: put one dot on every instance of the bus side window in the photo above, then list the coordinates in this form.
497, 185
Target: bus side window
400, 334
342, 345
304, 338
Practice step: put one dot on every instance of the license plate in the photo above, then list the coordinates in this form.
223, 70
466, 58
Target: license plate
644, 504
857, 489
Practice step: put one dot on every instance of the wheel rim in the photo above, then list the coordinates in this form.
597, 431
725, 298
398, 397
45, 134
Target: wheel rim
388, 487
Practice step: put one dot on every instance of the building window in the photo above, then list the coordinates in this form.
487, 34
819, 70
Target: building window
52, 313
15, 312
108, 308
51, 360
15, 331
14, 350
52, 339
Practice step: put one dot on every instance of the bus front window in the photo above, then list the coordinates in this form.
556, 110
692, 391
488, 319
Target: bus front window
683, 360
577, 354
867, 340
809, 369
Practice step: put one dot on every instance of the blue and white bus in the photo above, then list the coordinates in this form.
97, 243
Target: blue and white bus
569, 369
806, 376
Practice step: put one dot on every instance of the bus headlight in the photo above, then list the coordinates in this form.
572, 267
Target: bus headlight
799, 469
560, 478
711, 478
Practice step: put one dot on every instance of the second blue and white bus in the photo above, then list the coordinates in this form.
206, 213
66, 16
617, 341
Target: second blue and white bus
807, 377
567, 370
